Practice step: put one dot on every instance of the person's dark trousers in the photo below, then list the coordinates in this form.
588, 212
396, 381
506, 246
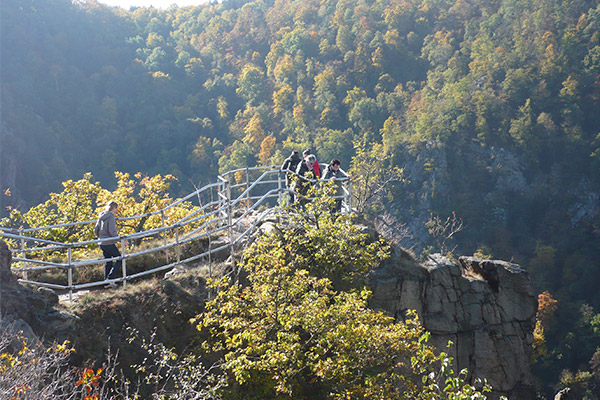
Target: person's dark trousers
338, 205
111, 267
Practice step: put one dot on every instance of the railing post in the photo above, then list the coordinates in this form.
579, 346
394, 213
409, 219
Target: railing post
23, 253
229, 215
124, 261
178, 245
247, 187
349, 202
279, 190
210, 230
223, 197
70, 272
164, 234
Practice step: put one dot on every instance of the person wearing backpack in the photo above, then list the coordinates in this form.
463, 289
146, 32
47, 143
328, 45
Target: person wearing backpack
106, 230
306, 174
290, 164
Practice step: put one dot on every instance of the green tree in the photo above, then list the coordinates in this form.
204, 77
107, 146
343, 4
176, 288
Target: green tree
251, 84
82, 200
288, 333
371, 175
76, 203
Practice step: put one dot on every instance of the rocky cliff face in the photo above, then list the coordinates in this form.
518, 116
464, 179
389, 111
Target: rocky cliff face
486, 308
21, 308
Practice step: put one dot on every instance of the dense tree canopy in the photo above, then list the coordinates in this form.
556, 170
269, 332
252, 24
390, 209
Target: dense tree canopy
488, 107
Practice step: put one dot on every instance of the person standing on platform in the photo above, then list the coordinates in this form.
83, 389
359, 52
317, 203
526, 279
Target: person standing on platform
316, 165
106, 230
333, 171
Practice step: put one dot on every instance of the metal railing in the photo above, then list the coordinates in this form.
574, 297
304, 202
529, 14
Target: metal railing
259, 187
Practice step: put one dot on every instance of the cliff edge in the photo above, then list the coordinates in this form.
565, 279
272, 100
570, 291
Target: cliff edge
487, 308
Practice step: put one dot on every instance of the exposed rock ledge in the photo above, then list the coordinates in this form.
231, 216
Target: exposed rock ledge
486, 308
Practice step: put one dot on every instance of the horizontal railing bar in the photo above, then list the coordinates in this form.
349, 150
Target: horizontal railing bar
260, 197
152, 271
202, 226
249, 169
36, 249
186, 240
30, 239
96, 283
34, 261
193, 194
93, 261
259, 183
206, 253
69, 224
253, 226
203, 216
44, 284
254, 206
243, 196
212, 203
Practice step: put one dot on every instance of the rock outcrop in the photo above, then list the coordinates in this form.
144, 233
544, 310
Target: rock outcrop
486, 308
22, 308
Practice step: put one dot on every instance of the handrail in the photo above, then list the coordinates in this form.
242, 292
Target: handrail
210, 218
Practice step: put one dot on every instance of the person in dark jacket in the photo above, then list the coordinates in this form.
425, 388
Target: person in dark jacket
305, 173
106, 230
333, 171
291, 164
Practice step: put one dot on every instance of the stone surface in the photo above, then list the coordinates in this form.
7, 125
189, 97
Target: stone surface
30, 313
486, 308
20, 307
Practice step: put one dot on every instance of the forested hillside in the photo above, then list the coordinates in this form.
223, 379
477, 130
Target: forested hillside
489, 107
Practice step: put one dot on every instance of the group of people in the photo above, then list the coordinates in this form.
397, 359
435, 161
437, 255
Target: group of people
306, 169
